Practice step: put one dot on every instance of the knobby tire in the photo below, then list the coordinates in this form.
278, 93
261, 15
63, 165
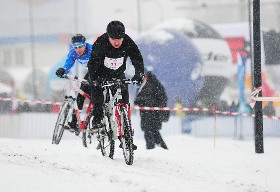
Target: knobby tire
62, 120
127, 139
85, 136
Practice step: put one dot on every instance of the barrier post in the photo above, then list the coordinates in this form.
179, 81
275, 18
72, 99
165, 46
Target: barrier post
240, 128
215, 115
235, 128
258, 125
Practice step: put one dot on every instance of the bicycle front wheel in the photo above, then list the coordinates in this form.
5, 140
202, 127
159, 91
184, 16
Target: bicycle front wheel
61, 122
126, 139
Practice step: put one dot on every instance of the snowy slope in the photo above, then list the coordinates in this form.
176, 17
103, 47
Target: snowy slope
190, 164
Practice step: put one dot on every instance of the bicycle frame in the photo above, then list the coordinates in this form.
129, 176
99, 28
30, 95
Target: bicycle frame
112, 108
116, 120
118, 117
75, 88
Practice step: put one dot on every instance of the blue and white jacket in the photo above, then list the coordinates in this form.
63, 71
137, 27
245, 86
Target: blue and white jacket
72, 57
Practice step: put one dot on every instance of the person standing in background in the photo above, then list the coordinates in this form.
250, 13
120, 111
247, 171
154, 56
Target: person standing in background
151, 94
180, 113
179, 105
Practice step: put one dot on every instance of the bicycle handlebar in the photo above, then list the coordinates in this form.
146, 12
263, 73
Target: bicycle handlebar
117, 81
102, 84
75, 78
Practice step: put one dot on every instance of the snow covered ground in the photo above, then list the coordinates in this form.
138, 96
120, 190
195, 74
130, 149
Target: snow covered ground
190, 164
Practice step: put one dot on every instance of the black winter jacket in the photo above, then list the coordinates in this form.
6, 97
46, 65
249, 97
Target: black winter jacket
109, 62
151, 95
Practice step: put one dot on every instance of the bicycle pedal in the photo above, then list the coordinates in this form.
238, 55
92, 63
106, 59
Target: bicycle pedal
98, 146
98, 126
111, 156
66, 127
134, 147
77, 133
71, 130
102, 132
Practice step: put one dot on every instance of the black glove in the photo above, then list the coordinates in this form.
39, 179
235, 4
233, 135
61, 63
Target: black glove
96, 81
138, 77
60, 72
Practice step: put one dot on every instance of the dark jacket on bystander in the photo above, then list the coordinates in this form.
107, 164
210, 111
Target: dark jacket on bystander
151, 94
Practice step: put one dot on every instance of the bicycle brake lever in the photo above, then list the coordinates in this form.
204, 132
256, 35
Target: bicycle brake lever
93, 83
65, 76
85, 82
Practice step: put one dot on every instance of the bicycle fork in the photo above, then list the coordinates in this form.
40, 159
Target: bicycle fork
119, 118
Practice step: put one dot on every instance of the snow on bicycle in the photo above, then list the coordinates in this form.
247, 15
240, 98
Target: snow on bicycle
116, 122
68, 107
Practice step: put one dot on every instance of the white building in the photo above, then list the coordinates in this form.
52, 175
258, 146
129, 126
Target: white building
37, 34
53, 21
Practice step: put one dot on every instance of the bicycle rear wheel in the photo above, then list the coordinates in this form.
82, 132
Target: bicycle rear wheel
86, 136
107, 144
61, 122
126, 139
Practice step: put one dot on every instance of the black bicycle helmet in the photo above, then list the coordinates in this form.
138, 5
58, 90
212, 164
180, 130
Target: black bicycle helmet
78, 38
116, 30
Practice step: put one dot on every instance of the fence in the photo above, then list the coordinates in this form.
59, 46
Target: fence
227, 124
41, 125
236, 127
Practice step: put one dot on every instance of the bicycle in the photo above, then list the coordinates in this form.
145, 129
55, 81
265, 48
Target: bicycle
66, 111
116, 121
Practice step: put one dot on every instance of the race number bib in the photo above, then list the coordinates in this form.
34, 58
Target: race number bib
113, 63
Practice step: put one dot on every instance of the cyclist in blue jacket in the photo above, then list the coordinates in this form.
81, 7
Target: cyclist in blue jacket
79, 53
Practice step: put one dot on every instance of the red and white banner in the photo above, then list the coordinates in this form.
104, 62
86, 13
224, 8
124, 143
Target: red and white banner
148, 108
255, 97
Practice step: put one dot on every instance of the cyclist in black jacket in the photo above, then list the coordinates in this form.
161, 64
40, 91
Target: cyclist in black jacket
108, 61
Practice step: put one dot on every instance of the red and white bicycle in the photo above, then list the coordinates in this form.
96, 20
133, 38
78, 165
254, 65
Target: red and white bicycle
116, 121
66, 110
